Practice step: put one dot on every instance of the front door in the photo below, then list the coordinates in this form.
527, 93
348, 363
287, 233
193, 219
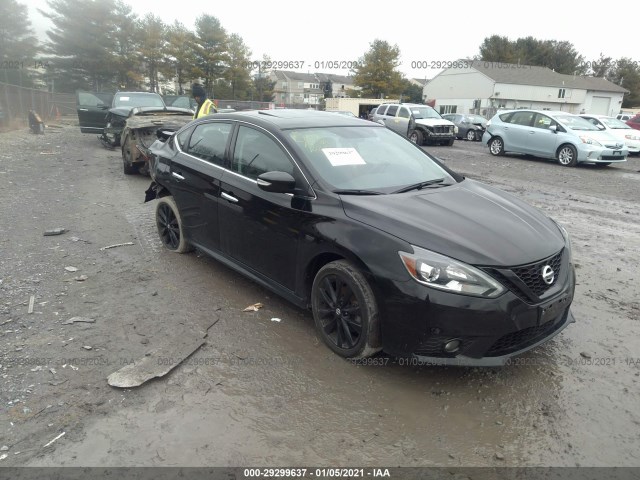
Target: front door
92, 110
260, 229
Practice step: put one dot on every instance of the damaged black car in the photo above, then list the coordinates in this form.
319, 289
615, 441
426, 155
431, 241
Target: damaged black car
389, 248
107, 114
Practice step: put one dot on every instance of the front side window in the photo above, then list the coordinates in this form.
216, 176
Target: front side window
209, 142
256, 153
403, 113
544, 122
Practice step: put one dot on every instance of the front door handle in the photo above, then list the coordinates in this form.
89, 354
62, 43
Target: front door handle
83, 109
177, 175
229, 198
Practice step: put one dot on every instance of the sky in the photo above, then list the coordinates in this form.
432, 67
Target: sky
428, 34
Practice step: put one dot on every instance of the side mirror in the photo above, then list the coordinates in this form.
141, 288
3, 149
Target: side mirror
600, 127
553, 128
277, 182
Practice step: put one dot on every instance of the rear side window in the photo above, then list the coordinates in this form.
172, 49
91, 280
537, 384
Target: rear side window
381, 109
522, 118
506, 117
182, 138
209, 142
391, 111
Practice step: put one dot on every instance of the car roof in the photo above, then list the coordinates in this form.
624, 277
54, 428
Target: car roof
285, 119
544, 112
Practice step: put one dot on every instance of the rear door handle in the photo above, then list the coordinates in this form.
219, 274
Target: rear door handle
177, 175
83, 109
229, 198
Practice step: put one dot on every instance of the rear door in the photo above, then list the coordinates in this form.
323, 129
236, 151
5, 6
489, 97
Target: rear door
520, 132
196, 173
92, 108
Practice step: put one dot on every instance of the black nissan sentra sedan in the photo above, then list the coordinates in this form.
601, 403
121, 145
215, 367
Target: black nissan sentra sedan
389, 248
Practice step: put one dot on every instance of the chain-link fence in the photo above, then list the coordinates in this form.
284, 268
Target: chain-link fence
16, 102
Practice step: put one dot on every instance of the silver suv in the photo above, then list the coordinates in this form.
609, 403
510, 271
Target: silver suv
419, 123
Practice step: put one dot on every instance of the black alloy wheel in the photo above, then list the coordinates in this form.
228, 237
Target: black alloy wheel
344, 310
170, 226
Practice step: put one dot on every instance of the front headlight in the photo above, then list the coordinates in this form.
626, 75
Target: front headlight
567, 241
632, 137
455, 129
590, 141
444, 273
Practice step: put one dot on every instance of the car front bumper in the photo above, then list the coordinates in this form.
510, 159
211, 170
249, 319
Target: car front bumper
418, 322
600, 154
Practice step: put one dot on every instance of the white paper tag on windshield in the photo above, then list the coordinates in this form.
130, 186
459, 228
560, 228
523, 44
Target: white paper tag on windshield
125, 99
343, 156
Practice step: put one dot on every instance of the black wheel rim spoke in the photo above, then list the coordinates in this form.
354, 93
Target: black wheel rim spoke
340, 312
328, 293
169, 227
347, 332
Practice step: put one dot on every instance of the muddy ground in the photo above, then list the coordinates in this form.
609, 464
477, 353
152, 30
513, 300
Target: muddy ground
261, 392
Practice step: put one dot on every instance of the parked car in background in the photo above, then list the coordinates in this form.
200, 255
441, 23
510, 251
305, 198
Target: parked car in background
419, 123
470, 126
140, 131
371, 114
618, 129
106, 113
634, 122
568, 138
387, 247
625, 116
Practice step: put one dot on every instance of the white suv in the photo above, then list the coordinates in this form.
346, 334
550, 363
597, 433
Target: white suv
419, 123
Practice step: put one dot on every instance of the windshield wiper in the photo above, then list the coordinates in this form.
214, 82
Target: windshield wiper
357, 192
420, 185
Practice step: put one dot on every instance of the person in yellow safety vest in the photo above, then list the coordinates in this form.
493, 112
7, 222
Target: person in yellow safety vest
205, 106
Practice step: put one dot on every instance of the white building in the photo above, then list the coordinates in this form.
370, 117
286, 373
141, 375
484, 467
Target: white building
484, 87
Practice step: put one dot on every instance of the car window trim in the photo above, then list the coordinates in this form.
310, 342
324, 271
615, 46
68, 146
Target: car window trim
226, 150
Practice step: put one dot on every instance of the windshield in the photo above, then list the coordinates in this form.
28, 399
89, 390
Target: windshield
366, 158
614, 123
575, 122
424, 112
138, 100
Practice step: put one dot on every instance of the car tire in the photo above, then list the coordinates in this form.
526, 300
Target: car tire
449, 143
127, 165
345, 310
567, 156
415, 136
169, 225
471, 135
496, 146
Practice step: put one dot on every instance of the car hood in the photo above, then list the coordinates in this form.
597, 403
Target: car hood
431, 122
604, 137
470, 222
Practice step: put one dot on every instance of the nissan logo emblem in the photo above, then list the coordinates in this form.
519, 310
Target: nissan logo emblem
548, 275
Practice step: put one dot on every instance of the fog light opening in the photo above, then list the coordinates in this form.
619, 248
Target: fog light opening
452, 346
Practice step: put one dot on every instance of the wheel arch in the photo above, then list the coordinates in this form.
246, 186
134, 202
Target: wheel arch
323, 258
